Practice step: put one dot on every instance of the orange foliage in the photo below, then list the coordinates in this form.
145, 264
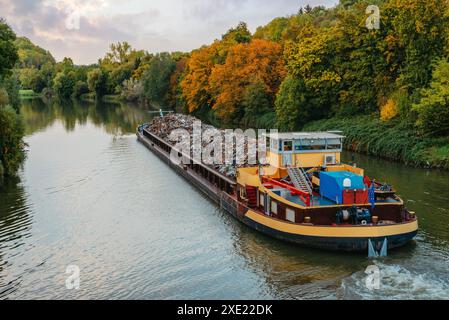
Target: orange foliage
258, 61
389, 110
195, 85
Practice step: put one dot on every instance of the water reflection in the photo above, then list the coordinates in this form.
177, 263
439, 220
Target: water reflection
114, 118
15, 226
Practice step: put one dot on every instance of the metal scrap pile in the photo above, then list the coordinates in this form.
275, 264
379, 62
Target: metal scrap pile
163, 126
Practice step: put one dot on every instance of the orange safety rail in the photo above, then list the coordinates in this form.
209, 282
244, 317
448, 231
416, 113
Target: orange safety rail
305, 197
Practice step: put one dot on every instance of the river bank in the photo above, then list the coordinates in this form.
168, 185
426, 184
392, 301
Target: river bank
87, 97
389, 140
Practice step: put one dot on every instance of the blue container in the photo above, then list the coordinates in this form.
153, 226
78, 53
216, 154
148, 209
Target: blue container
331, 184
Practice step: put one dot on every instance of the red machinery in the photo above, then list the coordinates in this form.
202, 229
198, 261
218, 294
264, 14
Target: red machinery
305, 197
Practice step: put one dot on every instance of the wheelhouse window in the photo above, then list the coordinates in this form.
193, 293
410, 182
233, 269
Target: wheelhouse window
305, 145
261, 199
310, 144
334, 144
318, 144
287, 145
298, 145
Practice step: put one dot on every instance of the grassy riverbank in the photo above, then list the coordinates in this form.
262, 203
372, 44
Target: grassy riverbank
90, 97
391, 140
28, 94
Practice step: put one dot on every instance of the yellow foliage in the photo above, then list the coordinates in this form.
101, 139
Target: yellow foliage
389, 110
195, 85
258, 61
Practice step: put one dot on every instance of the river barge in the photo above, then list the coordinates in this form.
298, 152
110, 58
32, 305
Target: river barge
304, 195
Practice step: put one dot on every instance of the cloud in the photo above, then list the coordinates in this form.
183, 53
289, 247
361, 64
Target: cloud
157, 25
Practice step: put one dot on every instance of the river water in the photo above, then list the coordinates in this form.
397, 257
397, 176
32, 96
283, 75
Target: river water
91, 196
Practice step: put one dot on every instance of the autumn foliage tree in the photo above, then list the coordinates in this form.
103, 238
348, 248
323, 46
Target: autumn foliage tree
196, 90
195, 85
258, 62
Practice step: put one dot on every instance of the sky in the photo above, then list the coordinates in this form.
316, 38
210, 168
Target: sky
84, 29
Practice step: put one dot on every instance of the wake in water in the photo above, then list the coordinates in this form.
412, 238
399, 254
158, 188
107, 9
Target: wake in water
396, 283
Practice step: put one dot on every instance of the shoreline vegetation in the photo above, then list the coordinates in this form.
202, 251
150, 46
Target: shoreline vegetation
89, 97
12, 129
318, 69
388, 140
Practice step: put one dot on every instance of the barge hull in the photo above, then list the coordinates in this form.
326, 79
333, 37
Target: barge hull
348, 244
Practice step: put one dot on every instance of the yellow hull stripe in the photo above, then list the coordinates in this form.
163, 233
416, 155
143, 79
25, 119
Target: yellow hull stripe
329, 231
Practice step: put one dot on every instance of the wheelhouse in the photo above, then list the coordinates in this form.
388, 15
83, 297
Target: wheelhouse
304, 149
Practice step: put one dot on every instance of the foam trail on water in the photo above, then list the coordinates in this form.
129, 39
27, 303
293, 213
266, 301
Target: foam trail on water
398, 283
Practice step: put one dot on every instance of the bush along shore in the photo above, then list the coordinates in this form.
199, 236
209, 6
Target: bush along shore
391, 140
12, 146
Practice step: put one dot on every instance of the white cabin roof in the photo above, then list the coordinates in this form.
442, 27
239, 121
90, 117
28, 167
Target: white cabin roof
305, 135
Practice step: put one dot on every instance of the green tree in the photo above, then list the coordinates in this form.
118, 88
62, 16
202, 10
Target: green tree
12, 146
65, 66
123, 62
258, 106
291, 105
32, 56
47, 72
8, 51
8, 58
32, 79
239, 34
357, 56
11, 127
119, 53
63, 84
80, 88
157, 78
347, 3
312, 63
132, 90
417, 36
12, 86
4, 97
433, 107
97, 81
120, 74
273, 31
175, 98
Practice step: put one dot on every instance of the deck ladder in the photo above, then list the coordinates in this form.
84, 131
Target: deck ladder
300, 180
